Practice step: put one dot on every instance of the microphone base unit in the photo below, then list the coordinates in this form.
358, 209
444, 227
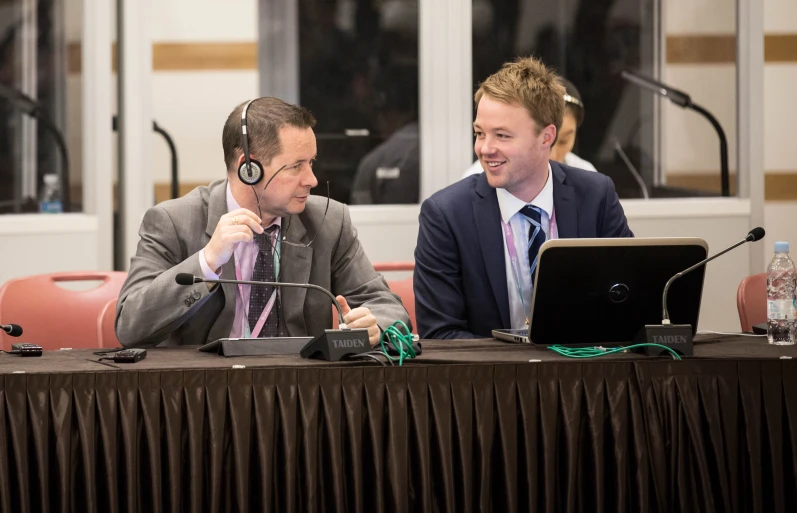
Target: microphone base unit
332, 345
336, 345
677, 337
276, 346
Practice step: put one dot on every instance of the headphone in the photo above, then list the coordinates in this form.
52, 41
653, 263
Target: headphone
251, 171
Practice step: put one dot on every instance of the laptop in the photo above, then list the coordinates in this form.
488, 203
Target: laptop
591, 292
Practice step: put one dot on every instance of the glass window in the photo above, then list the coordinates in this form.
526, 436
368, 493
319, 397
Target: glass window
358, 74
627, 132
37, 164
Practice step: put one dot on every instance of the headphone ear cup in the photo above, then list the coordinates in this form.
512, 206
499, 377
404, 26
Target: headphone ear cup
256, 174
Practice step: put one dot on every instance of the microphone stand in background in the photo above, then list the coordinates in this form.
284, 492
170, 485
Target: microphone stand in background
632, 169
175, 188
34, 109
683, 100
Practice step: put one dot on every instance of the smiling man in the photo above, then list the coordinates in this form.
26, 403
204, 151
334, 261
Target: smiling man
259, 223
478, 238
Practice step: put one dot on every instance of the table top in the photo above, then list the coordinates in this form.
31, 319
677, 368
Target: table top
435, 352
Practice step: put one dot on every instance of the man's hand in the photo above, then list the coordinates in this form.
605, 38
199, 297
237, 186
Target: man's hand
234, 227
360, 318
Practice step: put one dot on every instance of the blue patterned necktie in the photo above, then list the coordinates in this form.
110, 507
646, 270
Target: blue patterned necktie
536, 235
260, 294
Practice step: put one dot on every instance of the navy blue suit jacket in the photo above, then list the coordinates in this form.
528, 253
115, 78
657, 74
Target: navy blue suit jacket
460, 275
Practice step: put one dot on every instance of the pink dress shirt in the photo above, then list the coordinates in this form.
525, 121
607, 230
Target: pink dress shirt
245, 254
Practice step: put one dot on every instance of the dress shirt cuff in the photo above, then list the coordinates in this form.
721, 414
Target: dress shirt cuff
207, 273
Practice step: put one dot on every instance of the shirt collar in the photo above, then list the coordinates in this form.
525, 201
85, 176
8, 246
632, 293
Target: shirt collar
511, 205
233, 205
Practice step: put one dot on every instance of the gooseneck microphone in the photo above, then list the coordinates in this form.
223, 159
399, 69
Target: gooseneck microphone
678, 337
190, 279
753, 235
332, 345
682, 99
13, 330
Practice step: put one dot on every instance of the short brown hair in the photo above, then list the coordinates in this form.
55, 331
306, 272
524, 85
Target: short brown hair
264, 119
528, 83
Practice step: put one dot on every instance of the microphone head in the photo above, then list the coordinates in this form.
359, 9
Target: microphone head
185, 279
14, 330
756, 234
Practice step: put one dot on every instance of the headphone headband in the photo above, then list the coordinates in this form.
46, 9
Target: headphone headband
251, 171
573, 100
245, 139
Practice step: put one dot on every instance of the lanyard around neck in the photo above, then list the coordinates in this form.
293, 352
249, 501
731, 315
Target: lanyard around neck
272, 300
515, 264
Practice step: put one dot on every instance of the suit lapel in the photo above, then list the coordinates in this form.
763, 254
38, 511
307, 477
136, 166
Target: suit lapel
564, 204
217, 207
295, 264
488, 227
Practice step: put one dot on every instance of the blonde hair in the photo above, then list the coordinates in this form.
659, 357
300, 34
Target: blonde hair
528, 83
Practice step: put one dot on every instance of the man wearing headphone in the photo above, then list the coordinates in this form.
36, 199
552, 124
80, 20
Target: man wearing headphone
261, 224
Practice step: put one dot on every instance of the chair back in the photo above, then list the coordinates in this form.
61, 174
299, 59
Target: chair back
402, 287
394, 266
751, 301
53, 316
106, 331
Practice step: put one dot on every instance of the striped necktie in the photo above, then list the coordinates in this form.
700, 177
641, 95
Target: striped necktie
536, 235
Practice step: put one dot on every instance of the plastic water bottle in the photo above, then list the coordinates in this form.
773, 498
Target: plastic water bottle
781, 302
50, 199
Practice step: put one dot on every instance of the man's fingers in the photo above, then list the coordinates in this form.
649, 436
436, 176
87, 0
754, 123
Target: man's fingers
242, 236
242, 212
360, 318
238, 228
343, 305
249, 221
373, 334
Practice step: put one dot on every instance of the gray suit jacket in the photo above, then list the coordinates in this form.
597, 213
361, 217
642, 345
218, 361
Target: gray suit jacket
153, 309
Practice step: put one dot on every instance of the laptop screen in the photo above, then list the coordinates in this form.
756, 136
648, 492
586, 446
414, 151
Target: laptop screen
603, 291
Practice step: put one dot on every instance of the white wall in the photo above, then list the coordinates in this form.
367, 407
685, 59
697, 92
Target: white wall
192, 107
690, 143
780, 113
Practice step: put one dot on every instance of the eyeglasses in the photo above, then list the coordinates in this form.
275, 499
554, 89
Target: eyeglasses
298, 244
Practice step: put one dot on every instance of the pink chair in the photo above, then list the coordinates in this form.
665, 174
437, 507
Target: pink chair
53, 316
394, 266
106, 325
751, 301
401, 287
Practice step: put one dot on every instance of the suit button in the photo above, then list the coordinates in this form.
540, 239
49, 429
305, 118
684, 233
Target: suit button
197, 295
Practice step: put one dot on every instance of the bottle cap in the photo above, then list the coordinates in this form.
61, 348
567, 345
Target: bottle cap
781, 247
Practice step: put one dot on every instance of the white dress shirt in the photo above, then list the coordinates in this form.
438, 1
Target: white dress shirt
510, 213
